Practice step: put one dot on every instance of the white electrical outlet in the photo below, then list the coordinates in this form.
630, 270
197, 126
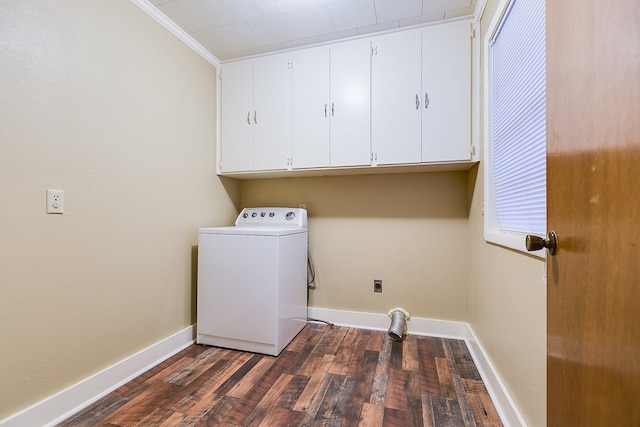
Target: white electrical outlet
55, 201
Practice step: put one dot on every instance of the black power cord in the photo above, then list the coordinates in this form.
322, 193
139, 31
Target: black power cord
311, 285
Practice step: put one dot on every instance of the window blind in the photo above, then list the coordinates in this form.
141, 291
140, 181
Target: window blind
518, 118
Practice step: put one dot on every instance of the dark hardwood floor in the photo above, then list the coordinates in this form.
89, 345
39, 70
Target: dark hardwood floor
328, 376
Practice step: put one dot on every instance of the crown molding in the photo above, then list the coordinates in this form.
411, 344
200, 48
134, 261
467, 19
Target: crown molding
173, 28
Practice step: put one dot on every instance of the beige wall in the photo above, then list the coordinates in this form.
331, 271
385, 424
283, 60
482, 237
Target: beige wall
407, 229
507, 305
102, 102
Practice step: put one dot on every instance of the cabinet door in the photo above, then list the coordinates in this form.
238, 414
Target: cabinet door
310, 108
237, 128
446, 93
351, 104
269, 117
396, 99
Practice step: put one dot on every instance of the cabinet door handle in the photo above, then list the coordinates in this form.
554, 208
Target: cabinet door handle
255, 117
332, 110
426, 100
325, 109
249, 118
417, 102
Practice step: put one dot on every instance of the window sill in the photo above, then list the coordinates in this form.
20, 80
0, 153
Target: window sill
515, 242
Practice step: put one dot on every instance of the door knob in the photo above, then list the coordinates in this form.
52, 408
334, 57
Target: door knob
535, 243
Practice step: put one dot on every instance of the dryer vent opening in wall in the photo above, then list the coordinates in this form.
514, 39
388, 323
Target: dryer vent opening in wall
398, 327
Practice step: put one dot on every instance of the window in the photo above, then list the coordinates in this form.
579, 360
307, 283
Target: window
515, 124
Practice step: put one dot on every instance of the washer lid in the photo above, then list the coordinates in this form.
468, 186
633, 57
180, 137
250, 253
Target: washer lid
253, 230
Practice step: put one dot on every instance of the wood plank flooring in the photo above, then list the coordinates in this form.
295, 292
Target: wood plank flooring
327, 376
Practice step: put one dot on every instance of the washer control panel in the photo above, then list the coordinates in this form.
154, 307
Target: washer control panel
293, 217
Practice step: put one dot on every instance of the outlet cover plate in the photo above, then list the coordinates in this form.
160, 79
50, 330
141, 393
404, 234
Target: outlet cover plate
55, 201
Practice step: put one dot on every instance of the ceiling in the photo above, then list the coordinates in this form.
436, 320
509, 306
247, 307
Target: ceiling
230, 29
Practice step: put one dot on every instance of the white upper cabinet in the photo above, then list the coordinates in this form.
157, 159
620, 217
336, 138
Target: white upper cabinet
396, 99
236, 150
255, 124
271, 118
310, 108
446, 93
350, 108
331, 106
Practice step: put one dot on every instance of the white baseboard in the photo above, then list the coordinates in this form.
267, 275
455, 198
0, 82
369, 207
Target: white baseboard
499, 395
381, 322
65, 403
505, 406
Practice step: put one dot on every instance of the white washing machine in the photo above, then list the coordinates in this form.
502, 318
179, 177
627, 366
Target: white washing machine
252, 281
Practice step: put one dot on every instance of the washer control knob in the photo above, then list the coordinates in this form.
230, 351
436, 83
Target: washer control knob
245, 215
255, 214
290, 215
263, 214
272, 214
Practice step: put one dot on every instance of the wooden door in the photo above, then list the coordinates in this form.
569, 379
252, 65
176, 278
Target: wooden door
593, 142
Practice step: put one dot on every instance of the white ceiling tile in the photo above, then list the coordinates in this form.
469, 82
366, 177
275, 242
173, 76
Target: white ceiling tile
267, 48
394, 10
236, 54
233, 11
347, 15
198, 15
228, 38
195, 15
272, 7
435, 6
271, 29
339, 35
232, 29
311, 21
301, 42
292, 25
379, 27
459, 13
422, 19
